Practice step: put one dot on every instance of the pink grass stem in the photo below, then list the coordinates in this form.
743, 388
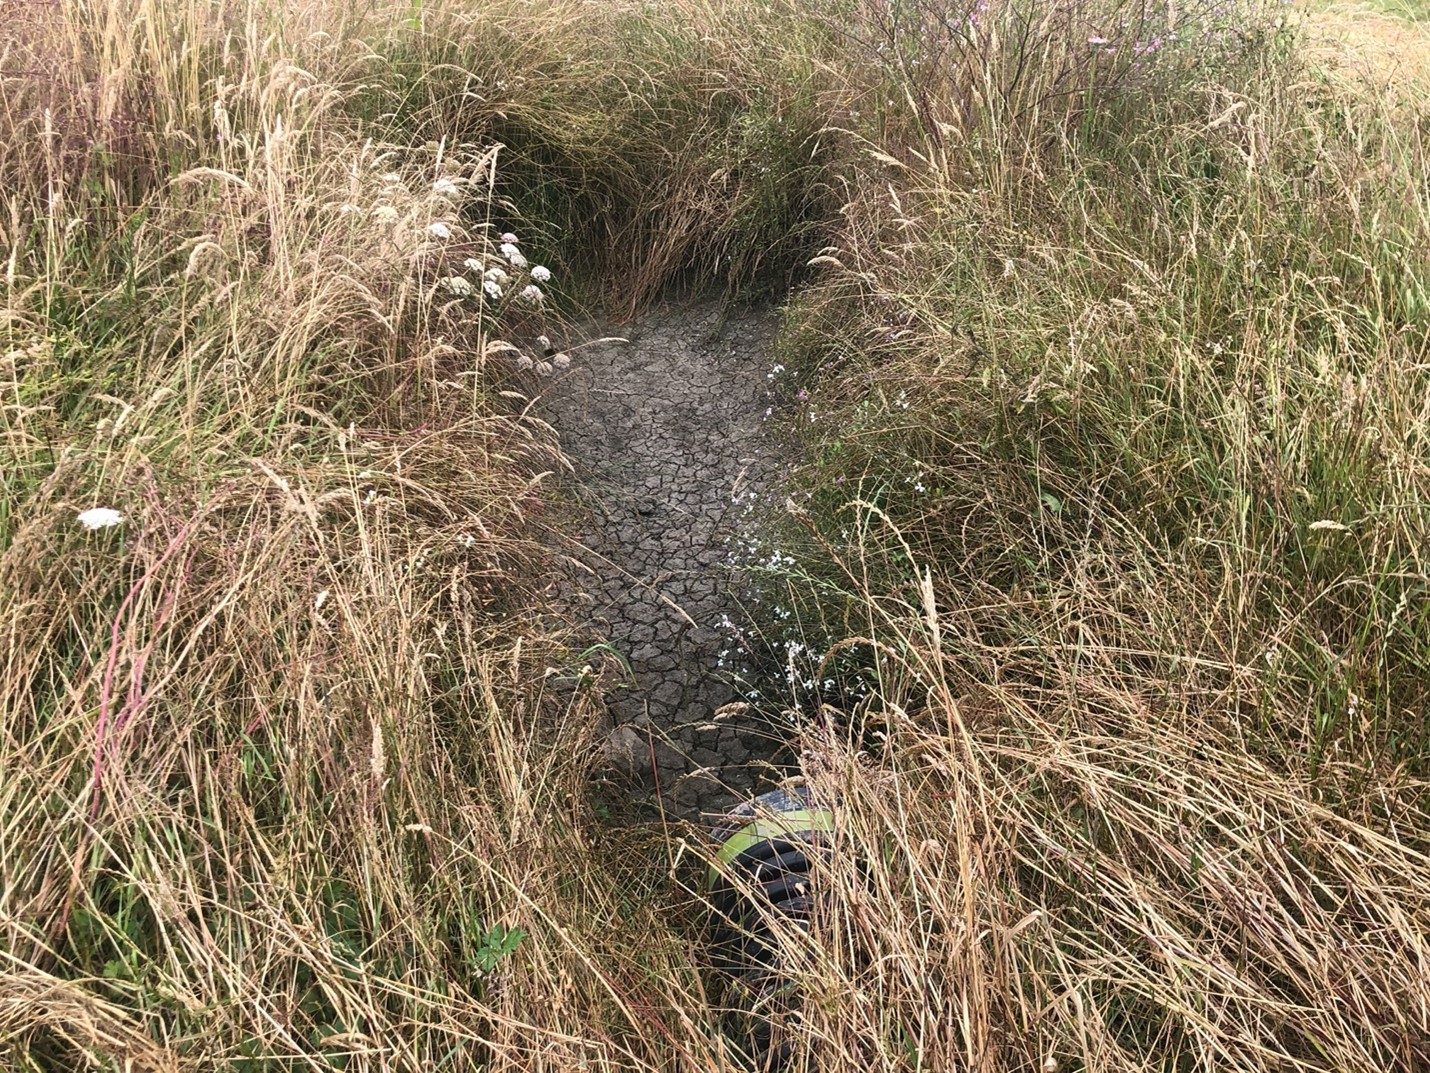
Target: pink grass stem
106, 687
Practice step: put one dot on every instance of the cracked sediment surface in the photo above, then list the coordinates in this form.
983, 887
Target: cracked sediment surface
673, 467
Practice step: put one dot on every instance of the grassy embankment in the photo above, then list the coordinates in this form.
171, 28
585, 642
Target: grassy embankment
1112, 357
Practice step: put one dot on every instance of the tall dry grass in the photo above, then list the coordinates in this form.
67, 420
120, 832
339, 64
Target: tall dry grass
1158, 388
1112, 417
1112, 402
1040, 865
280, 786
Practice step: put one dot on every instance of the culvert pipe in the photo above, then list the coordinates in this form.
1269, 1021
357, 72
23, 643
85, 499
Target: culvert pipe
760, 881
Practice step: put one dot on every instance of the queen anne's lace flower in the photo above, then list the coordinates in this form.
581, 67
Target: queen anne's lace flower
444, 186
523, 362
492, 287
541, 274
458, 285
100, 518
437, 229
512, 254
385, 214
531, 293
509, 238
497, 275
561, 361
471, 264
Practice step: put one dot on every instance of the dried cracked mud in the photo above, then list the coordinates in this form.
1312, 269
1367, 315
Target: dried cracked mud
673, 468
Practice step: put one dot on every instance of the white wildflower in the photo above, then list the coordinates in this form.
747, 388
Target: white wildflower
492, 287
541, 274
531, 293
509, 238
497, 276
458, 285
385, 214
544, 368
471, 264
561, 361
391, 176
512, 254
100, 518
544, 342
523, 362
444, 186
437, 229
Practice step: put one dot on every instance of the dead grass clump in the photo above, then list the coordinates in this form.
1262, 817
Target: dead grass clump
1087, 873
1161, 393
279, 780
681, 144
1110, 414
1013, 893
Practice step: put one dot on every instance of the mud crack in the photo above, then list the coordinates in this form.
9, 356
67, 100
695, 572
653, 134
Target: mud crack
674, 466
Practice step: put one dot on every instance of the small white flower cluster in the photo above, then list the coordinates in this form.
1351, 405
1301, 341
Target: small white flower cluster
496, 281
100, 518
544, 366
550, 361
387, 215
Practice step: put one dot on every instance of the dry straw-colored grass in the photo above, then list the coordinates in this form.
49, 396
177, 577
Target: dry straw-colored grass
277, 781
1125, 369
1114, 412
1065, 876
